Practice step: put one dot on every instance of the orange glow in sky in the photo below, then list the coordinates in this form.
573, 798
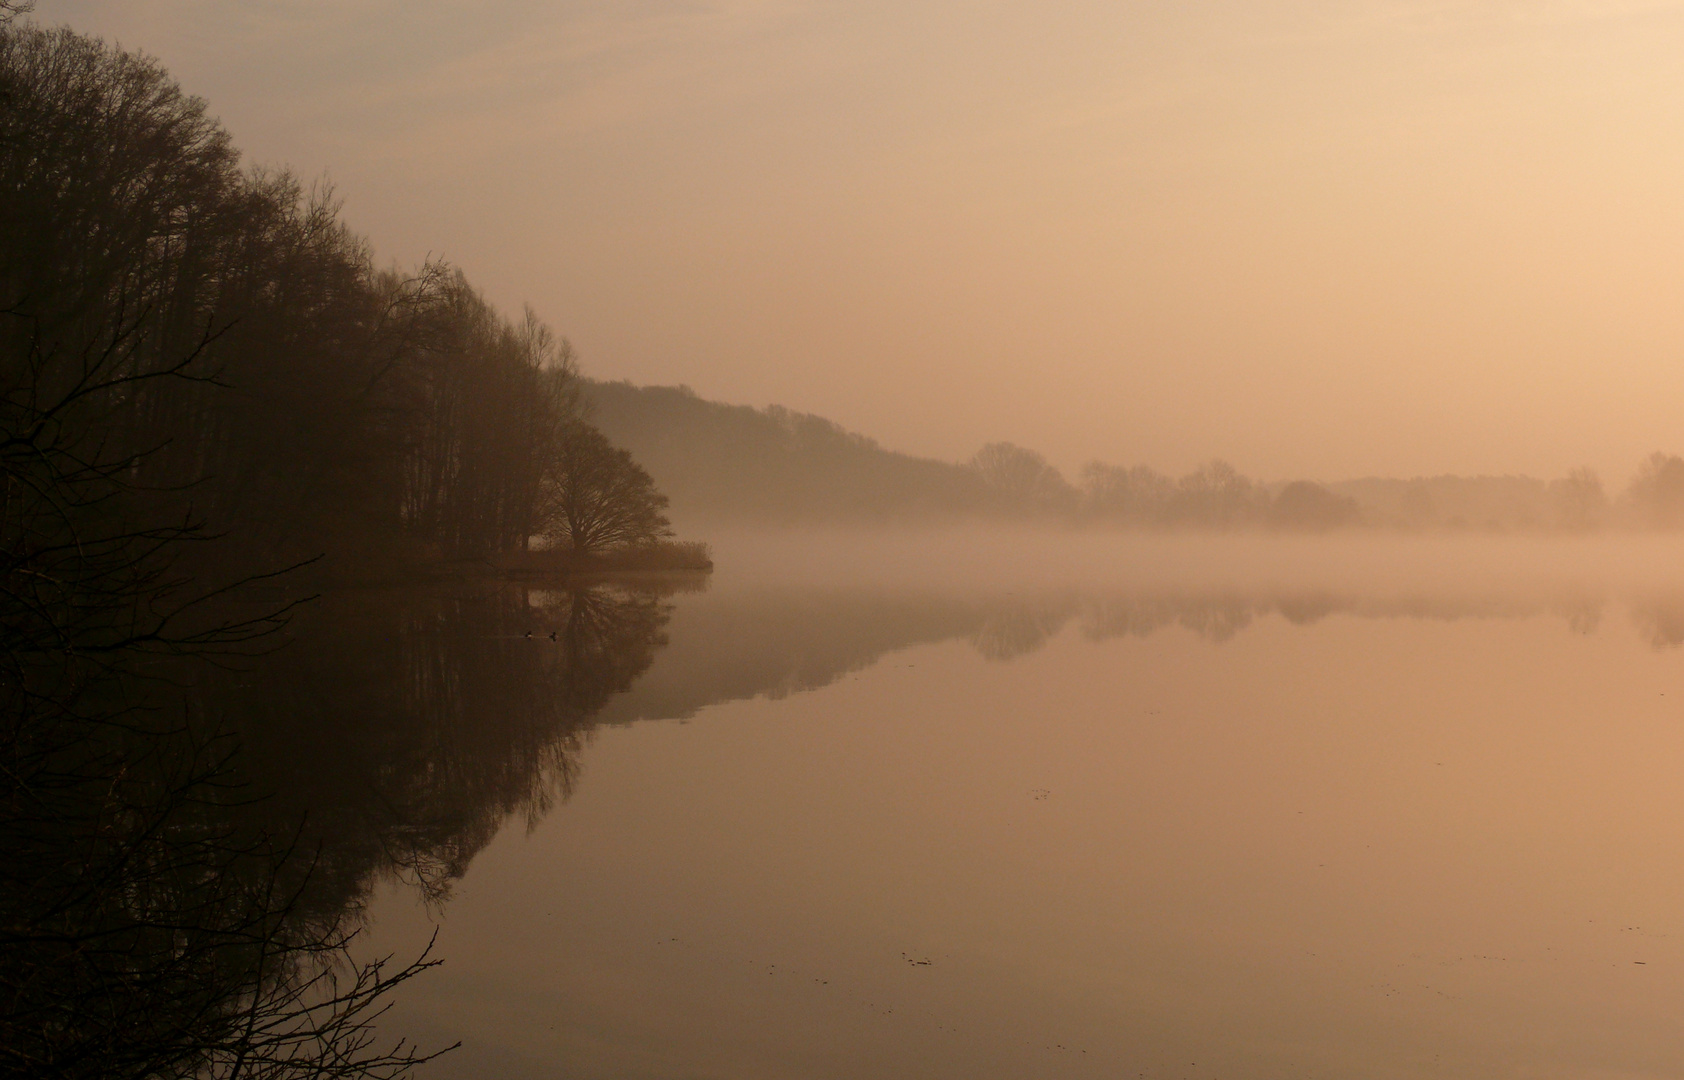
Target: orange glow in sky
1318, 239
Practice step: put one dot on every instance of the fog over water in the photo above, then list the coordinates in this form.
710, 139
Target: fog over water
795, 540
1365, 564
1014, 804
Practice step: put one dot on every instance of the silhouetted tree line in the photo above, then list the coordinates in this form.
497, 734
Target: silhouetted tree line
1215, 495
204, 383
214, 340
1574, 503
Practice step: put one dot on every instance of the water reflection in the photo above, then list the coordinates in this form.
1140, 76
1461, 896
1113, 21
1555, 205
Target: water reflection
1161, 826
446, 714
1660, 619
190, 836
191, 840
772, 642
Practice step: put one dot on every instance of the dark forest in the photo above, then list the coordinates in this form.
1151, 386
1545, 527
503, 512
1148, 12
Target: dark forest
212, 403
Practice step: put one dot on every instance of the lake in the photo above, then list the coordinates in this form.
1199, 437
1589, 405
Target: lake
933, 811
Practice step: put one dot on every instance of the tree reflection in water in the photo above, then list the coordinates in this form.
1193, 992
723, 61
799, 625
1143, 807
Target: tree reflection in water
190, 836
1009, 629
1660, 620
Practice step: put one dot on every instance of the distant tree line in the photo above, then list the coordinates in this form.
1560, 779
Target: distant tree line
1217, 496
734, 463
1213, 496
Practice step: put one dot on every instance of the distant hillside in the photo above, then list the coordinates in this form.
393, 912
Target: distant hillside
721, 462
1472, 502
737, 464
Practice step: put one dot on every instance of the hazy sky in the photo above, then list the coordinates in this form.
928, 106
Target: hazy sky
1315, 238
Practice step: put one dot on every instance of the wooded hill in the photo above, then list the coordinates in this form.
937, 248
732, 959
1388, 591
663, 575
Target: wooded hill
736, 464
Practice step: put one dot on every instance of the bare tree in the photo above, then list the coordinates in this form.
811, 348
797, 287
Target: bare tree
1308, 506
1657, 491
1139, 495
1215, 494
601, 499
1580, 502
144, 930
1022, 478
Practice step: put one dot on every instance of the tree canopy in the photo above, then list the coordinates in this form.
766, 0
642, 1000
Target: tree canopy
214, 336
205, 382
599, 498
1022, 479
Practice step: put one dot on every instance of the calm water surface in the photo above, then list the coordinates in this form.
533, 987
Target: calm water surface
858, 831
